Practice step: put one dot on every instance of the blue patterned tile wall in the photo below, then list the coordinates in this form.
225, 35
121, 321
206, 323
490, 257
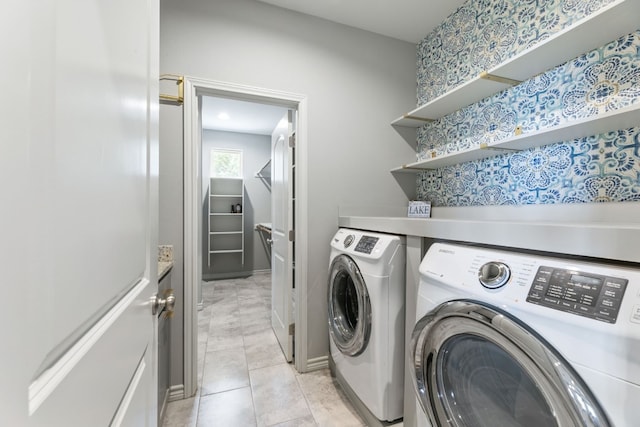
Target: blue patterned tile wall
600, 168
484, 33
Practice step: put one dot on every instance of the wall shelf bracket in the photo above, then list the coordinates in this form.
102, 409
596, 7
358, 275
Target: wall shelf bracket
485, 75
485, 146
418, 118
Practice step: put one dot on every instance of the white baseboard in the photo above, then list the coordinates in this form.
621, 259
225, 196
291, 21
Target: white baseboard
237, 275
176, 392
317, 363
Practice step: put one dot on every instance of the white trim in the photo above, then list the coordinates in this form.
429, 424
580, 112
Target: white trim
42, 387
317, 363
176, 392
301, 238
191, 222
193, 87
128, 396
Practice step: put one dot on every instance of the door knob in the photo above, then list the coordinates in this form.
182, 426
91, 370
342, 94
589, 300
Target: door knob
166, 304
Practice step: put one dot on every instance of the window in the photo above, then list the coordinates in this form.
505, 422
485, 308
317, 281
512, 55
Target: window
226, 163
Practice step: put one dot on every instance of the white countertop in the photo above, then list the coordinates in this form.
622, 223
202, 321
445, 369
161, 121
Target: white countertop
610, 232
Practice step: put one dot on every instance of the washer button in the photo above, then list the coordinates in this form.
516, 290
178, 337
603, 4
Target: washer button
635, 314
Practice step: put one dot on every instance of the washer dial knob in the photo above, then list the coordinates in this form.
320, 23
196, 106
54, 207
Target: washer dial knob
494, 275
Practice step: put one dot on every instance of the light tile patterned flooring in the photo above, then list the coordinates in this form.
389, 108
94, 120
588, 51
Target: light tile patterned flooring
243, 378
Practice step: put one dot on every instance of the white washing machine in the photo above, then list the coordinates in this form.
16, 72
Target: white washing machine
512, 339
366, 320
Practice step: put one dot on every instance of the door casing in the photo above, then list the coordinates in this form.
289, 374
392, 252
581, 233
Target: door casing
194, 88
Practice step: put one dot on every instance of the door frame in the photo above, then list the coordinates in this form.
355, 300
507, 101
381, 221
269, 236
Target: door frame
192, 150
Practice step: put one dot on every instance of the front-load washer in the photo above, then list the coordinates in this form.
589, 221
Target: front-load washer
366, 293
512, 339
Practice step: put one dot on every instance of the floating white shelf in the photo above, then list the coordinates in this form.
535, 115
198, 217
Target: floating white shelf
614, 120
225, 196
610, 22
220, 233
230, 251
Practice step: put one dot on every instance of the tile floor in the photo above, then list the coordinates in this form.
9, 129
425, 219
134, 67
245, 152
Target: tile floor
243, 377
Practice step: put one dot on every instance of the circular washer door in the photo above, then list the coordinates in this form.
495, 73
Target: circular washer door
349, 307
477, 366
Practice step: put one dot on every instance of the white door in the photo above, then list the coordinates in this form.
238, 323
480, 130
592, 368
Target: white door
282, 224
79, 214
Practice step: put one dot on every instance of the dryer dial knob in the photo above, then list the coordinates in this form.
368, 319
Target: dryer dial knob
494, 275
349, 240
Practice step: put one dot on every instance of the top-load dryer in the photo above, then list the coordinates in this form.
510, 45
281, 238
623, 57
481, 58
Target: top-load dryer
366, 320
512, 339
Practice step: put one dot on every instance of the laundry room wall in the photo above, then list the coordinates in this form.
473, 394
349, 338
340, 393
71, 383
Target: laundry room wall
256, 151
599, 168
355, 81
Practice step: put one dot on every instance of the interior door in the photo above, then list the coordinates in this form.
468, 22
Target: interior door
83, 218
282, 224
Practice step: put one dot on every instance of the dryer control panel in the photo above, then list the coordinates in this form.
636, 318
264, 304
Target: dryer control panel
366, 244
585, 294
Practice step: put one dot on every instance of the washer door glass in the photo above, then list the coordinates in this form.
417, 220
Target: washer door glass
477, 366
349, 307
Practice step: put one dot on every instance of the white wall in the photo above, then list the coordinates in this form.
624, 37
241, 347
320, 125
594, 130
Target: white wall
356, 83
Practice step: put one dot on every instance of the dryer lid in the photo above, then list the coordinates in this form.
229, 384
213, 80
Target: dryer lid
477, 366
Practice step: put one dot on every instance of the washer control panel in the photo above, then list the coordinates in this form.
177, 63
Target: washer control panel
366, 244
590, 295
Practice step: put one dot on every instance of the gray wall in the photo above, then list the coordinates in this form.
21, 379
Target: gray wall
171, 224
256, 151
356, 83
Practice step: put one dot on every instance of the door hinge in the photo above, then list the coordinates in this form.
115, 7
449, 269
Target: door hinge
292, 329
292, 141
292, 235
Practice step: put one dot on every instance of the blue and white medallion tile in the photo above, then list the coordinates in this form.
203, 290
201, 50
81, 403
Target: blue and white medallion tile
482, 34
599, 168
602, 168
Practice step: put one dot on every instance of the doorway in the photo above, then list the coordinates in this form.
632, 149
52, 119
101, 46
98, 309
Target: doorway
236, 186
195, 90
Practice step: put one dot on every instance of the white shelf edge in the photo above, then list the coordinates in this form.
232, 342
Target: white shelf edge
465, 94
611, 121
224, 214
219, 233
230, 179
583, 35
622, 118
230, 251
225, 195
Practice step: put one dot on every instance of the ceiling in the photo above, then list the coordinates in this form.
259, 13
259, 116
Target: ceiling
407, 20
241, 116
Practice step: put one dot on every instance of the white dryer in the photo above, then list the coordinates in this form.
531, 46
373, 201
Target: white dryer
511, 339
366, 320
